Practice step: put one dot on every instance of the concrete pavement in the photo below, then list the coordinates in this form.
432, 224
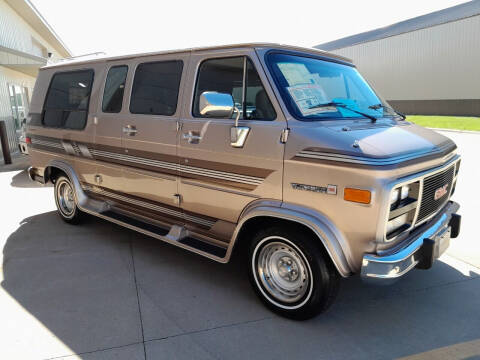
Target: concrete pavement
98, 291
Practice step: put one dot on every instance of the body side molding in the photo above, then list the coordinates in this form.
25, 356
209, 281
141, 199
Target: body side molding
175, 235
332, 239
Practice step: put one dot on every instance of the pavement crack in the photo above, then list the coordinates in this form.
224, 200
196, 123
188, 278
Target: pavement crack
138, 300
449, 283
93, 351
212, 328
463, 261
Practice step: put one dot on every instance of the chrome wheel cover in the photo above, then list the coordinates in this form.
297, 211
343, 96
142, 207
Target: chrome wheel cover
65, 199
283, 272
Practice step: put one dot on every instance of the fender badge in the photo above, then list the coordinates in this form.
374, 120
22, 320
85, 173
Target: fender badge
329, 189
440, 192
332, 189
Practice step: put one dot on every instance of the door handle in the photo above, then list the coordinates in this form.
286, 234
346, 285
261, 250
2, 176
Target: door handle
130, 130
238, 136
192, 137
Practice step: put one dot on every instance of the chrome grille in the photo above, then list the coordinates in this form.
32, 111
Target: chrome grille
431, 184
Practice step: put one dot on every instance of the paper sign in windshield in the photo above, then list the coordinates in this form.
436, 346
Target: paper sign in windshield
295, 73
307, 96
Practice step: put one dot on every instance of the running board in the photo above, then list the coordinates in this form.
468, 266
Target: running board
176, 235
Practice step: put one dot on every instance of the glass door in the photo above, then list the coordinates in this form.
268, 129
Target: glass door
19, 105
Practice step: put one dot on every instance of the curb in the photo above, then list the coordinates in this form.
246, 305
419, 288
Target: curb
455, 130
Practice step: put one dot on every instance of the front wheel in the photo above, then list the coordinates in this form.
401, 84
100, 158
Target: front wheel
291, 273
65, 201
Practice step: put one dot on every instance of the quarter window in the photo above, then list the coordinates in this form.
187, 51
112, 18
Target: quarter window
114, 89
235, 76
67, 100
155, 88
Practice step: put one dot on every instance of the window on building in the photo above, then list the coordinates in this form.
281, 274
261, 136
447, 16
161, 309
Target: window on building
114, 89
155, 88
18, 105
225, 75
67, 100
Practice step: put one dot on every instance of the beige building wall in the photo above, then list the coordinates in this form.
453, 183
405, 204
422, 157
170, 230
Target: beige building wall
17, 34
25, 43
439, 66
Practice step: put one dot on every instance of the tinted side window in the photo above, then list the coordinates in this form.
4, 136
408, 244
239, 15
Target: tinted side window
67, 100
155, 88
114, 89
225, 75
221, 75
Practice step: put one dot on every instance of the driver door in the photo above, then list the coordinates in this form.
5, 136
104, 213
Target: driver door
218, 180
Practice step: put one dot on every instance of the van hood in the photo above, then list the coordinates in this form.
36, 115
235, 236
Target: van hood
384, 143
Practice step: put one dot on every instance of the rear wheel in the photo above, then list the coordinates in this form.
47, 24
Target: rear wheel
291, 273
65, 200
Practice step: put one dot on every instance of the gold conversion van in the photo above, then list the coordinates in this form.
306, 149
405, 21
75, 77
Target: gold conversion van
285, 151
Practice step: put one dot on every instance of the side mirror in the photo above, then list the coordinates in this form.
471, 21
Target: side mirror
215, 104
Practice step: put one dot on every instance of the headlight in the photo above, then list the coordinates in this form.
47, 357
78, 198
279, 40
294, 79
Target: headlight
403, 207
394, 196
397, 223
400, 193
404, 191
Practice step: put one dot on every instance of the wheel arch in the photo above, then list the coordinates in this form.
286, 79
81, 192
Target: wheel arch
56, 167
260, 214
51, 173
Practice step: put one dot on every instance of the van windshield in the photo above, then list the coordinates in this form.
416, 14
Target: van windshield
315, 89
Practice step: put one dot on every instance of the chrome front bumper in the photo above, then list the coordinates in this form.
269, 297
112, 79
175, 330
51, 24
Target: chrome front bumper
421, 249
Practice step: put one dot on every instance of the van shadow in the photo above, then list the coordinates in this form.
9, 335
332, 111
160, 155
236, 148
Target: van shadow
21, 180
81, 283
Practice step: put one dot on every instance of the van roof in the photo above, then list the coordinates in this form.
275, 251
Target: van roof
98, 59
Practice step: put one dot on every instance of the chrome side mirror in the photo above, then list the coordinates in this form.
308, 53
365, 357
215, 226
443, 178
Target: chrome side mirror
214, 104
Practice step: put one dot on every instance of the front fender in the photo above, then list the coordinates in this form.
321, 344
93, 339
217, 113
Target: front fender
331, 237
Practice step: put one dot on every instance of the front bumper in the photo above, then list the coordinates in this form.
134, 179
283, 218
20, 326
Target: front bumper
421, 249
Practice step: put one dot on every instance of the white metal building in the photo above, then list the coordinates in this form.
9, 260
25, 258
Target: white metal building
27, 42
426, 65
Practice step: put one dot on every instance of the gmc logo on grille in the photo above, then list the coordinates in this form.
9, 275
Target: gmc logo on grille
440, 192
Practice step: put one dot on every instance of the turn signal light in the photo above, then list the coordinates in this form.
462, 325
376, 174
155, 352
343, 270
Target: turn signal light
357, 195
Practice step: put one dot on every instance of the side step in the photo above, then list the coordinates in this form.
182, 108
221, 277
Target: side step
176, 235
204, 246
136, 223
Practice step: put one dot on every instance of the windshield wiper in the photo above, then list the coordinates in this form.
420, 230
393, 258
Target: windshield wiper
379, 106
338, 104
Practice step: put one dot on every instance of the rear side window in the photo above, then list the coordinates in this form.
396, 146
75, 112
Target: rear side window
114, 89
67, 100
155, 88
235, 76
